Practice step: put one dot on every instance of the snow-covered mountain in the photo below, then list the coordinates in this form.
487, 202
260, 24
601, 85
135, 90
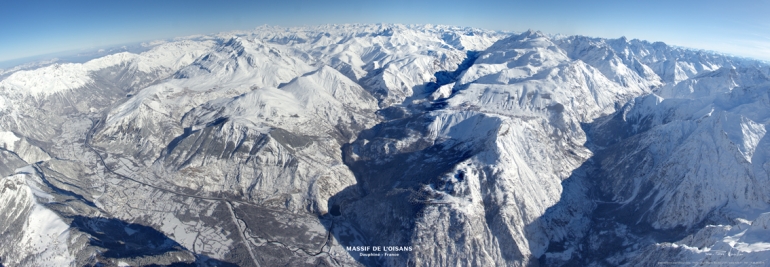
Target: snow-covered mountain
444, 145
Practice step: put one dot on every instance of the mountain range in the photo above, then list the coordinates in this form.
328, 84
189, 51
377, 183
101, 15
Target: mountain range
387, 145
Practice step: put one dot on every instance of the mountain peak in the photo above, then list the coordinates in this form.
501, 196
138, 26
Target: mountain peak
530, 33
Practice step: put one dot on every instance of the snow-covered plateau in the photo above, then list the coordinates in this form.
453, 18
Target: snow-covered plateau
387, 145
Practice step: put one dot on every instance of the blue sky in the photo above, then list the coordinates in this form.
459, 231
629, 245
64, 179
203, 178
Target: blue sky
29, 28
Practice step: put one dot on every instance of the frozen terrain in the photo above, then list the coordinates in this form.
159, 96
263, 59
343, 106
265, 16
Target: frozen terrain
450, 146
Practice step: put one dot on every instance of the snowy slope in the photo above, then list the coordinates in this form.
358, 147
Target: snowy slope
49, 80
44, 239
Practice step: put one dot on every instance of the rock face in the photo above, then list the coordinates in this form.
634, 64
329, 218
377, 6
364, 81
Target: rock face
436, 145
